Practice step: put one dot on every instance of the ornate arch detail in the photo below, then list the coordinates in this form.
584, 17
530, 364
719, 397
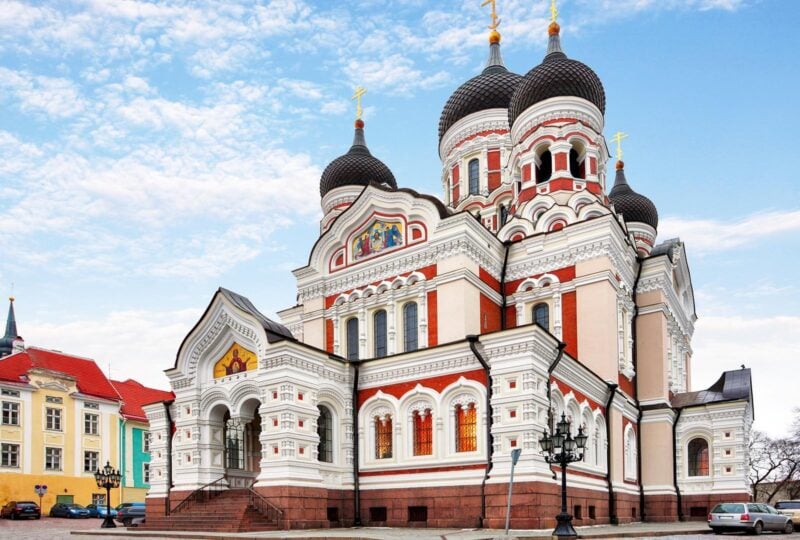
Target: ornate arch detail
211, 398
241, 393
420, 406
328, 395
464, 399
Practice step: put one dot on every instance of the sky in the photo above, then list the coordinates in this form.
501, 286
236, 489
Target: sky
151, 152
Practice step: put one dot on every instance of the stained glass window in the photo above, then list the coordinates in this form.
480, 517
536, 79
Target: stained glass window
423, 433
474, 170
379, 327
383, 437
410, 326
325, 432
541, 315
352, 339
466, 428
698, 457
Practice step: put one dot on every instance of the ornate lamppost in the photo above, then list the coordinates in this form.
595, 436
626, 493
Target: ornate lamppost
562, 449
107, 478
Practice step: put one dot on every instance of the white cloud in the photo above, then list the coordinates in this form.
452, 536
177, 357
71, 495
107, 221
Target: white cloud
395, 74
769, 345
55, 97
705, 235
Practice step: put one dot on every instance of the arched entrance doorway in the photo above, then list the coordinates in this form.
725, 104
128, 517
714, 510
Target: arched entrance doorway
242, 441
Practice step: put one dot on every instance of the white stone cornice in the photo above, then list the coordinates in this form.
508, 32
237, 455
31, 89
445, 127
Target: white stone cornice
486, 120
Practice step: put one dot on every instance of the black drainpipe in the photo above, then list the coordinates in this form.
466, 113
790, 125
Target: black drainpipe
506, 246
635, 360
169, 452
550, 370
356, 491
612, 503
473, 340
681, 517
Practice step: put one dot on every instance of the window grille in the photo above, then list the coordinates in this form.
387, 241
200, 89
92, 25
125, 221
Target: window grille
423, 433
383, 437
466, 428
325, 432
10, 413
352, 339
410, 326
541, 315
698, 457
379, 327
234, 444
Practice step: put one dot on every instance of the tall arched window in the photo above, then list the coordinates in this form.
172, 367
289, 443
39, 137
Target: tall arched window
630, 453
575, 168
541, 315
383, 437
466, 428
545, 168
352, 339
503, 214
325, 432
234, 443
410, 330
474, 171
423, 433
379, 329
698, 457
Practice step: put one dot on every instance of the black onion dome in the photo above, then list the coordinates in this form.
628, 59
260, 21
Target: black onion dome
634, 208
492, 89
556, 76
358, 167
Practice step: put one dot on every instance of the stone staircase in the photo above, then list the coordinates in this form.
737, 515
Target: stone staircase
235, 510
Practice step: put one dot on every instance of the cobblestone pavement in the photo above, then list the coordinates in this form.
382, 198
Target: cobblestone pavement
46, 528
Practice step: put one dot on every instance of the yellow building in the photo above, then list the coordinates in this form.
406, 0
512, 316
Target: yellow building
60, 423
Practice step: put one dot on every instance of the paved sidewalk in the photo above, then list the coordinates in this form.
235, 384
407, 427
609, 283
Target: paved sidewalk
634, 530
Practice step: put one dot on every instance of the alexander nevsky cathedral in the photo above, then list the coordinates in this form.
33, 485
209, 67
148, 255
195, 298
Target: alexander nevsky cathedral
434, 336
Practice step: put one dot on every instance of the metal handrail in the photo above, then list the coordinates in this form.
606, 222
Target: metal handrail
202, 494
263, 506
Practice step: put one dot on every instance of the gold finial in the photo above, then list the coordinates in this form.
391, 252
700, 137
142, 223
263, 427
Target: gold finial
553, 11
11, 298
357, 96
495, 20
618, 138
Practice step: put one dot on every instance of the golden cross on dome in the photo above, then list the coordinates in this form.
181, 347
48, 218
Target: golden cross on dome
553, 11
495, 20
618, 138
360, 91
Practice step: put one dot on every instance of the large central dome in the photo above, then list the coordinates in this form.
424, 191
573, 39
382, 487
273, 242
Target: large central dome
492, 89
556, 76
358, 167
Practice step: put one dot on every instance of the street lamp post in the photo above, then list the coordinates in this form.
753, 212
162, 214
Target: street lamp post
107, 478
562, 449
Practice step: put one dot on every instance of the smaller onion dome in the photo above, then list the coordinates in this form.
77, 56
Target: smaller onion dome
358, 167
556, 76
492, 89
634, 208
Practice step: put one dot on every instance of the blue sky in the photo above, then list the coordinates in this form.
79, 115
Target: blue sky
151, 152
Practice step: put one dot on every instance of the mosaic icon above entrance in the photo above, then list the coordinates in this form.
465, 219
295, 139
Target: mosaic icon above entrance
236, 360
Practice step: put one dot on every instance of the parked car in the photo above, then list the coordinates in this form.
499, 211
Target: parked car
21, 509
130, 512
100, 510
748, 517
789, 508
69, 510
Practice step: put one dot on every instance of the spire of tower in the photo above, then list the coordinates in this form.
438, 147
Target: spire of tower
11, 335
359, 140
554, 30
495, 62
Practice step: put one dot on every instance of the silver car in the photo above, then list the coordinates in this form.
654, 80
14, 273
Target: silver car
748, 517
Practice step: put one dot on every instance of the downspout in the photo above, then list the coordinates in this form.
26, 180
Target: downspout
473, 340
635, 361
612, 503
122, 456
356, 486
169, 451
506, 246
681, 517
550, 370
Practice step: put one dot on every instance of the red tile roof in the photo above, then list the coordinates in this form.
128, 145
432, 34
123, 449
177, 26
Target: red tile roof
134, 395
89, 378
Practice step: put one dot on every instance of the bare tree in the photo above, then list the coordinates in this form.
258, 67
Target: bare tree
775, 464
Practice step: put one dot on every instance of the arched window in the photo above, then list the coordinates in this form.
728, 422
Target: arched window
576, 168
325, 432
474, 170
541, 315
545, 168
234, 443
630, 453
466, 428
383, 437
423, 433
352, 339
503, 214
379, 329
410, 326
698, 457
